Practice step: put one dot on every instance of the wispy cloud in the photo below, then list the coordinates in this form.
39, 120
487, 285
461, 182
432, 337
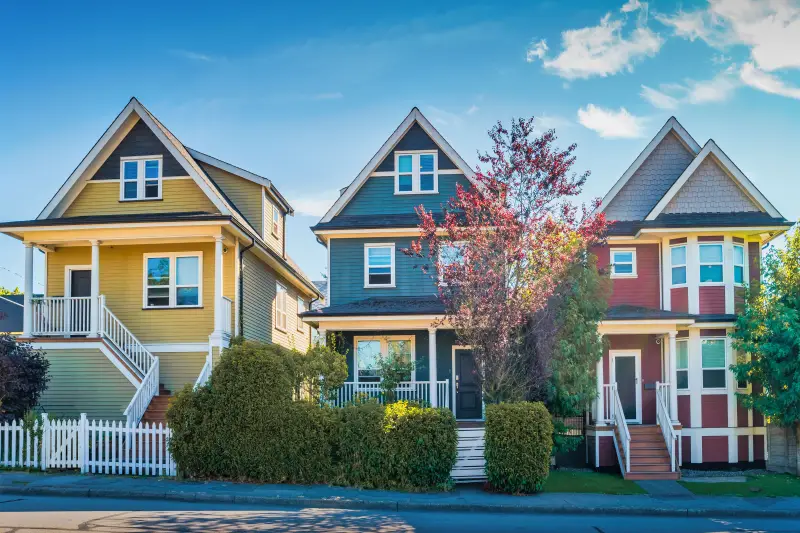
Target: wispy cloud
659, 99
195, 56
313, 204
610, 123
445, 118
328, 96
763, 81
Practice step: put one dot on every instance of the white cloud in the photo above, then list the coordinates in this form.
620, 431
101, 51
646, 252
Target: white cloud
536, 51
472, 109
194, 56
692, 25
611, 124
550, 122
633, 5
758, 79
314, 205
659, 99
718, 89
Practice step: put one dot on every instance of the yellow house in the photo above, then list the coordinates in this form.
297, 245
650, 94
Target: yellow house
155, 256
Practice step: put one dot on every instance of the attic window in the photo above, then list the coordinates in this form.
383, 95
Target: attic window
140, 178
416, 172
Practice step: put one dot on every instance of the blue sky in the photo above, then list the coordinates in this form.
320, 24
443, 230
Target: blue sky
305, 94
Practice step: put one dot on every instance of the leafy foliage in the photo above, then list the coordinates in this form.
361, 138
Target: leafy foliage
9, 292
393, 370
320, 371
23, 377
519, 440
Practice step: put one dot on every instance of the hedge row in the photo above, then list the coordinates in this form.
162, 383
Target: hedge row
245, 425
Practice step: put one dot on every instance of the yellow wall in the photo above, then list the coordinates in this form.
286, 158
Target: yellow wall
102, 198
244, 194
176, 369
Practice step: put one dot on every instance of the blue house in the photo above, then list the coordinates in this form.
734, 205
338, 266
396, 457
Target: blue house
381, 301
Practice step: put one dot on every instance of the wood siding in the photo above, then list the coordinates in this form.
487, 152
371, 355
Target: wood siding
644, 289
754, 257
685, 410
85, 381
177, 369
377, 197
139, 141
680, 299
712, 300
244, 194
102, 198
715, 449
714, 409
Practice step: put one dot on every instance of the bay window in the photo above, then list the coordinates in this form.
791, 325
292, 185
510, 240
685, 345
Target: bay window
416, 172
714, 363
678, 263
369, 351
682, 364
711, 263
173, 280
738, 264
140, 178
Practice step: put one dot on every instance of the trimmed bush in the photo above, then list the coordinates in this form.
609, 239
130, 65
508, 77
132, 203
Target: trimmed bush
519, 441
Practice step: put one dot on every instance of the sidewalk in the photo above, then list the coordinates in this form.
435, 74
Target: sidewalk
463, 498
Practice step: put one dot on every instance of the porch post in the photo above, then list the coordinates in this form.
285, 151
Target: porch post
599, 404
673, 376
27, 311
94, 302
323, 334
218, 286
432, 367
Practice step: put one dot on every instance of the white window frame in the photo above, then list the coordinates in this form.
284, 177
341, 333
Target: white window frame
367, 247
677, 369
415, 172
140, 179
173, 280
384, 340
281, 306
701, 264
301, 308
633, 273
276, 221
459, 244
678, 265
724, 367
742, 265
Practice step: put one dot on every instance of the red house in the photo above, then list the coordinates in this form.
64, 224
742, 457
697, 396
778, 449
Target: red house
686, 239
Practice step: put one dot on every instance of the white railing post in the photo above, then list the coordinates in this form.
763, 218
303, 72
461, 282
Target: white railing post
83, 447
673, 376
45, 441
94, 330
432, 377
27, 310
600, 404
218, 280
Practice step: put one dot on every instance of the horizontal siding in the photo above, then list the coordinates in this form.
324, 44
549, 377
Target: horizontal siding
139, 141
679, 298
102, 198
292, 338
712, 300
415, 139
245, 194
644, 289
377, 197
178, 369
85, 381
274, 241
258, 282
347, 272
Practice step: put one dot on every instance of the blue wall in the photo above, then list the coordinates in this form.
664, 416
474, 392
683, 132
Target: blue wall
377, 196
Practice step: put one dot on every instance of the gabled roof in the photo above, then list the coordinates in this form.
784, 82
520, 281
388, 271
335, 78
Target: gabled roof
671, 126
729, 167
415, 116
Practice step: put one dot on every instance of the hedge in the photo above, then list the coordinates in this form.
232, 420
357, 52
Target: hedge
519, 441
245, 425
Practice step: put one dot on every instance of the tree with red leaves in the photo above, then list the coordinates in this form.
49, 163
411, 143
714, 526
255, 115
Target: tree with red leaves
501, 248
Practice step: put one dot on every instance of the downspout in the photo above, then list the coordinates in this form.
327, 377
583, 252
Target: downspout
241, 285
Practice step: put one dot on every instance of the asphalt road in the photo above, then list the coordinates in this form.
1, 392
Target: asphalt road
20, 514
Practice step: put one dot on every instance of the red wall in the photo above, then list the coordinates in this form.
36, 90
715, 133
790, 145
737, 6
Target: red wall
744, 448
685, 410
741, 415
715, 449
714, 410
644, 289
758, 447
651, 367
712, 300
754, 256
679, 299
686, 449
608, 455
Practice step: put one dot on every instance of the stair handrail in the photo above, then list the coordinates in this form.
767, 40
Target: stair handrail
148, 389
618, 417
664, 421
126, 342
205, 373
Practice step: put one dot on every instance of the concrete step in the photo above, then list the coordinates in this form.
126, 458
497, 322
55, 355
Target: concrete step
634, 476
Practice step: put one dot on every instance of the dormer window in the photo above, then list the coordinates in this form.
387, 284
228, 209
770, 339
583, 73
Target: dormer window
276, 221
416, 172
140, 178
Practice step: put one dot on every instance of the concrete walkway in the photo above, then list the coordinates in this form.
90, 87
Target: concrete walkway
463, 498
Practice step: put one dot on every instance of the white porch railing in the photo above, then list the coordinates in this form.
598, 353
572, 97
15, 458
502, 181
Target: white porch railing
664, 421
604, 417
408, 390
59, 316
227, 314
115, 331
205, 372
148, 388
617, 417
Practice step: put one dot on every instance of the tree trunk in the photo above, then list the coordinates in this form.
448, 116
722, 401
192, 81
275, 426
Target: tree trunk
797, 447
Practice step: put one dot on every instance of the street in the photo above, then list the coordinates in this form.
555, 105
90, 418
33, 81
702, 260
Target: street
40, 513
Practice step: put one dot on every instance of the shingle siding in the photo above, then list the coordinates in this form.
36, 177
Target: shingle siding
651, 181
710, 190
415, 139
139, 141
377, 196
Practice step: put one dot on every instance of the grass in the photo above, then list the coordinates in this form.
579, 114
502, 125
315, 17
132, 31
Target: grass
771, 485
590, 482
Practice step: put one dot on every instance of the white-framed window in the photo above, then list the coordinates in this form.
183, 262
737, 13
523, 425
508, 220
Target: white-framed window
713, 353
711, 262
623, 263
272, 216
301, 308
450, 253
379, 265
276, 220
416, 172
140, 178
738, 264
677, 256
682, 364
280, 307
173, 280
369, 349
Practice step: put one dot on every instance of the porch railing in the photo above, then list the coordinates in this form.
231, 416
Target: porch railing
227, 306
115, 331
418, 391
664, 421
205, 372
618, 419
148, 388
60, 316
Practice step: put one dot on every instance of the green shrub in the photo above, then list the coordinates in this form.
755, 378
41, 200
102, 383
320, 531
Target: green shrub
519, 441
361, 445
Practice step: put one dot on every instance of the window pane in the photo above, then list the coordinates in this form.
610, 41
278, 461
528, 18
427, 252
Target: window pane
188, 296
711, 253
710, 273
405, 183
131, 170
738, 255
683, 379
623, 257
158, 297
426, 163
380, 256
368, 353
679, 275
404, 164
741, 384
151, 189
426, 182
623, 268
738, 274
151, 169
682, 361
380, 279
400, 348
130, 189
158, 271
714, 379
678, 255
187, 270
713, 352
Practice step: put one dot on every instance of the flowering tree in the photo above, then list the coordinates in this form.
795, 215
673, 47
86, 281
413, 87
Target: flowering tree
501, 248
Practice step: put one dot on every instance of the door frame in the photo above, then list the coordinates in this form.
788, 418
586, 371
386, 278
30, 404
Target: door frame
68, 277
454, 401
637, 355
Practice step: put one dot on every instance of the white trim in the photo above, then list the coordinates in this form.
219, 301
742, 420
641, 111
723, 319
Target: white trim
280, 288
672, 125
722, 432
177, 347
727, 165
328, 271
367, 246
361, 318
416, 173
119, 225
173, 280
685, 264
637, 355
68, 277
721, 263
715, 231
414, 116
384, 350
441, 172
632, 251
117, 180
141, 180
743, 246
688, 370
715, 390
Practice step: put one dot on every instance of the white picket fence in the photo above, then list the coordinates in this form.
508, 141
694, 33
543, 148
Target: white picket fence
96, 446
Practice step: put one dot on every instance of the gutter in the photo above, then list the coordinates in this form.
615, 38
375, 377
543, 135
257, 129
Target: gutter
241, 285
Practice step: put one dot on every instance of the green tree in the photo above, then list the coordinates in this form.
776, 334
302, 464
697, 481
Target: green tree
24, 374
769, 330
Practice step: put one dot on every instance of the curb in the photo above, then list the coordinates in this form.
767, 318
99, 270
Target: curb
392, 505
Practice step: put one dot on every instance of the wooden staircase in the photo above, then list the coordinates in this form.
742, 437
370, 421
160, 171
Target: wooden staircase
649, 454
156, 412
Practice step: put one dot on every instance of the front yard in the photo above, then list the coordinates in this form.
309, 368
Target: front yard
590, 482
771, 485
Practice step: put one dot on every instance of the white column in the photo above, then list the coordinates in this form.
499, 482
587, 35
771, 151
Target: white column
218, 286
673, 376
599, 403
27, 313
666, 274
323, 335
432, 366
94, 303
236, 289
693, 274
727, 273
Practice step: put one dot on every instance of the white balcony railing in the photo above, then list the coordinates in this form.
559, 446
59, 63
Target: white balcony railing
665, 423
227, 310
61, 316
418, 391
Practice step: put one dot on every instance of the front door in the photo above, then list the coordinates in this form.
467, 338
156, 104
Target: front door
80, 285
627, 375
468, 391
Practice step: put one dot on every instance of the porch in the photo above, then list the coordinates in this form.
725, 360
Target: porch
412, 391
